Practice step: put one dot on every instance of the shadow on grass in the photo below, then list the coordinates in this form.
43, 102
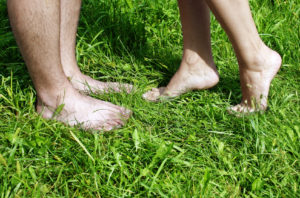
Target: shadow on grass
127, 27
130, 31
11, 62
229, 87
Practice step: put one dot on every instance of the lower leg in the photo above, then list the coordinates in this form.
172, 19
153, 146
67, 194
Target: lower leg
35, 25
258, 64
70, 11
197, 69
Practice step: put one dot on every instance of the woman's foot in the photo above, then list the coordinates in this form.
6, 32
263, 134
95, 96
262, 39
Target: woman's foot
193, 74
73, 108
255, 81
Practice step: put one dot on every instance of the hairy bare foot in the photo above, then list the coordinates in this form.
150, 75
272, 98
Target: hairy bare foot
255, 82
73, 108
87, 84
193, 74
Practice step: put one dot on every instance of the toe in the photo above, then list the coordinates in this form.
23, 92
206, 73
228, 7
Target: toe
240, 110
129, 88
232, 109
111, 125
154, 94
237, 110
124, 87
119, 87
125, 113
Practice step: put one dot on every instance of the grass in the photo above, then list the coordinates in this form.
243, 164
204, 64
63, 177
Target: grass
186, 147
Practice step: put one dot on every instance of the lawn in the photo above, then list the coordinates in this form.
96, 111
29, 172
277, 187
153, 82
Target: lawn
186, 147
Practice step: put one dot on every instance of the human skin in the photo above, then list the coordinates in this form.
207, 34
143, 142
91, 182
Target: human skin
36, 26
258, 64
70, 11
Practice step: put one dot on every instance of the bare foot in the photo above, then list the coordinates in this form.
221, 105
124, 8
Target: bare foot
86, 84
255, 82
193, 74
73, 108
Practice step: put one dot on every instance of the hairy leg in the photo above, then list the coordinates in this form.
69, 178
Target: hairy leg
70, 11
35, 24
258, 64
197, 69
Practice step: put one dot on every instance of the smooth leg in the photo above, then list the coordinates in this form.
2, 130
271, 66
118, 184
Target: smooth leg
258, 64
70, 10
35, 24
197, 69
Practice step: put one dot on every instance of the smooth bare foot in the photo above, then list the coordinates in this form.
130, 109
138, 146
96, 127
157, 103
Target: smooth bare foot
193, 74
86, 84
255, 82
73, 108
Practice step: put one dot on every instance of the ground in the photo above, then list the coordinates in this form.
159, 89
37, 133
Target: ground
185, 147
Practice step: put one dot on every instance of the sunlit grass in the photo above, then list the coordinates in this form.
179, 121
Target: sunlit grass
186, 147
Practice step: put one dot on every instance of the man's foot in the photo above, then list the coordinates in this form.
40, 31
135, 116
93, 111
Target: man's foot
193, 74
86, 84
255, 82
73, 108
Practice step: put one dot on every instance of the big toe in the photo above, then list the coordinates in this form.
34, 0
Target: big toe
154, 94
111, 125
125, 113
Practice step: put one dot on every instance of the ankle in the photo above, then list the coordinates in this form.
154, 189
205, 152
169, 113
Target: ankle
193, 60
257, 59
54, 97
73, 74
71, 69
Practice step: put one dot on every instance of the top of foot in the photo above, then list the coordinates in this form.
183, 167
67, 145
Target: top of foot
196, 76
87, 84
87, 112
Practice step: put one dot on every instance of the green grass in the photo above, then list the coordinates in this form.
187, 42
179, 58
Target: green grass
186, 147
